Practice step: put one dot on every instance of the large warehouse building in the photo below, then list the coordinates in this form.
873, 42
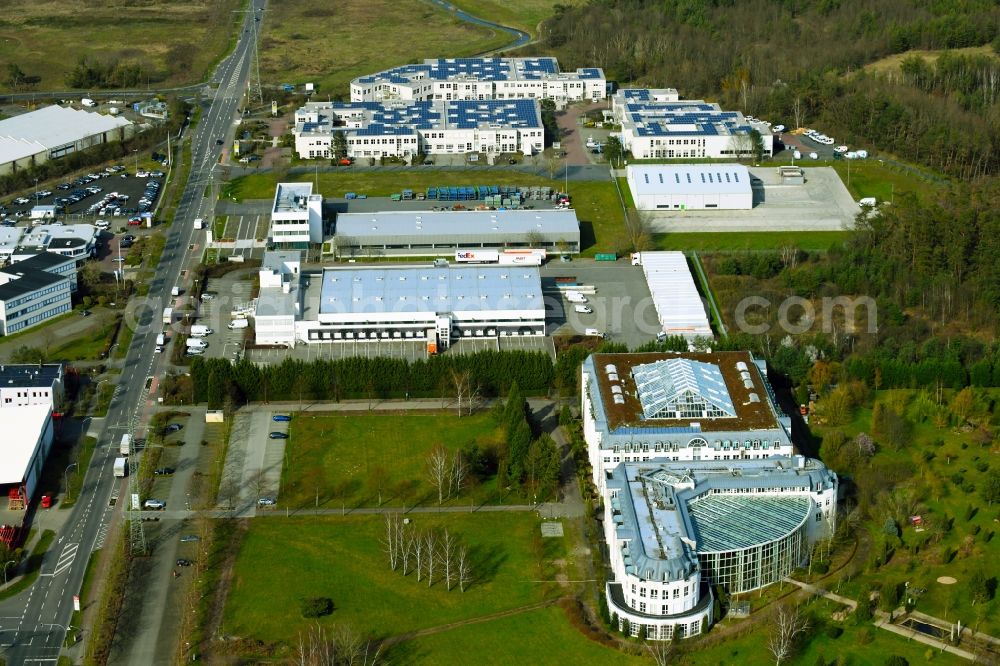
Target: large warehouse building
690, 186
656, 124
481, 78
681, 407
675, 529
679, 306
424, 233
374, 129
431, 304
54, 131
28, 435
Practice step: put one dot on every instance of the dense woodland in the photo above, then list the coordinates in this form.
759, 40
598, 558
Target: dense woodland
799, 62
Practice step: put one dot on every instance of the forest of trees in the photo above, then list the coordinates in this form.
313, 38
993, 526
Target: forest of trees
798, 62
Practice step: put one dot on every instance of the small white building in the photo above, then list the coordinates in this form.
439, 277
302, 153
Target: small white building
30, 384
279, 303
656, 124
402, 129
445, 79
296, 216
690, 186
44, 212
679, 306
27, 440
52, 132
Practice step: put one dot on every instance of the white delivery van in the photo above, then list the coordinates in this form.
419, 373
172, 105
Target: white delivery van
176, 291
582, 309
797, 155
238, 323
121, 467
200, 331
161, 339
594, 331
575, 297
195, 343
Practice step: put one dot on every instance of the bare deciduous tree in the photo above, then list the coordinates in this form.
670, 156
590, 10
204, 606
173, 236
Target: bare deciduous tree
661, 652
466, 391
446, 555
438, 469
406, 549
430, 558
638, 232
459, 472
463, 568
419, 554
788, 626
341, 646
392, 539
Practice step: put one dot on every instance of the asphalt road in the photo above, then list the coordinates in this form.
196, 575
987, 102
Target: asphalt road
33, 625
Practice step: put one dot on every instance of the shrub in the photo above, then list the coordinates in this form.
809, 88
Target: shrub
317, 606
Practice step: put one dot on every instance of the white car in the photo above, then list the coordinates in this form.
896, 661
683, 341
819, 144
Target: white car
778, 129
158, 350
841, 149
593, 331
155, 504
583, 309
813, 156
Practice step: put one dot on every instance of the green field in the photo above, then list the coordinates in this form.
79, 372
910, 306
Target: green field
871, 178
522, 14
281, 561
175, 42
596, 203
749, 241
542, 636
319, 42
327, 452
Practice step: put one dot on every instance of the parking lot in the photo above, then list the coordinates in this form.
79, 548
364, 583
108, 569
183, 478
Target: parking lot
101, 183
622, 307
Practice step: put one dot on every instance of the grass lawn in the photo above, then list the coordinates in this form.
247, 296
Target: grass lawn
319, 42
750, 240
522, 14
527, 638
282, 561
869, 178
596, 203
84, 454
86, 346
173, 42
325, 451
32, 567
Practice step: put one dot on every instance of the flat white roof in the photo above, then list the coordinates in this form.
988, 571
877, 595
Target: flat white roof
502, 223
664, 179
50, 127
675, 296
22, 433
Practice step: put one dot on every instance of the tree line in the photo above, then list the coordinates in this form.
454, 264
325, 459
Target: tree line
432, 555
219, 382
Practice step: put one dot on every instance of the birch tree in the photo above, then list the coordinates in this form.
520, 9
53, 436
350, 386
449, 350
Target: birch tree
430, 555
391, 539
459, 472
406, 549
788, 626
446, 555
438, 469
418, 554
464, 568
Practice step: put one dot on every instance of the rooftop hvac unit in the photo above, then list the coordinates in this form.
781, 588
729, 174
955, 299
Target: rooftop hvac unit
617, 390
612, 377
748, 383
741, 366
754, 397
744, 375
619, 399
610, 368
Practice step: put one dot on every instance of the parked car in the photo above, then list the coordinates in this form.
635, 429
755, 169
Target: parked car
173, 427
189, 538
266, 501
278, 435
281, 417
154, 504
163, 471
184, 563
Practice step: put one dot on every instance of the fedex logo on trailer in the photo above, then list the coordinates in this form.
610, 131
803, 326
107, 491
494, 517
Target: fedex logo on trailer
477, 256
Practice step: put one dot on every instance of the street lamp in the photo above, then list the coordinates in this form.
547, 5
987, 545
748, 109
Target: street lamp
135, 151
66, 472
7, 564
